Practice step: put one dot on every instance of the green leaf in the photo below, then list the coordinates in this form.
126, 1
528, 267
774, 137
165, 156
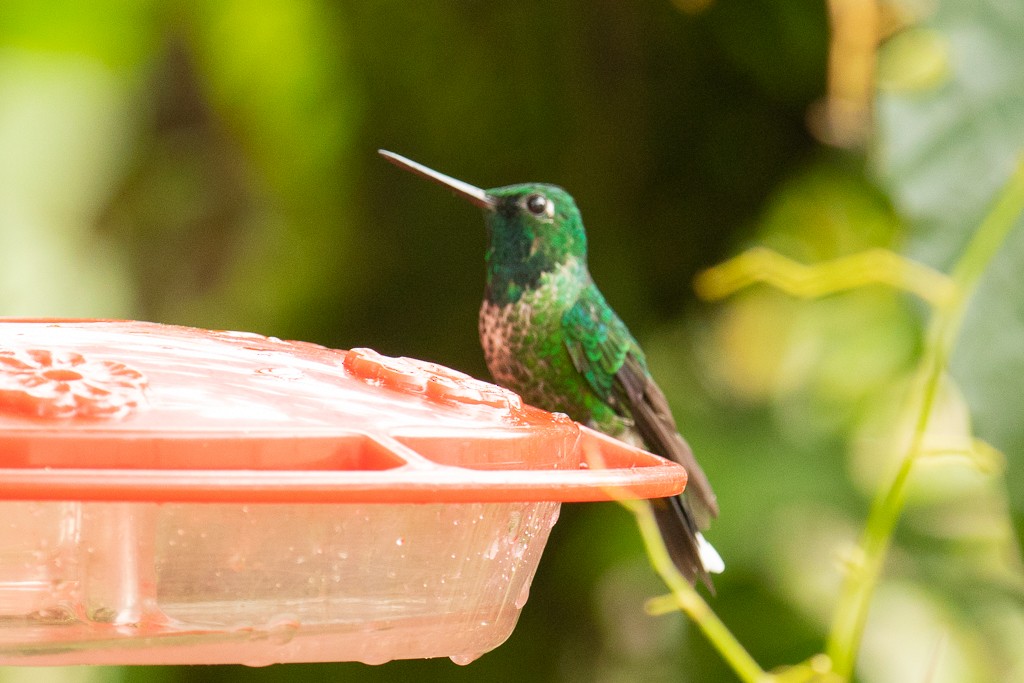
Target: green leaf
944, 154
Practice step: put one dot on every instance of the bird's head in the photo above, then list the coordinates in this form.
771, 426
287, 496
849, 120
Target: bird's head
532, 229
534, 226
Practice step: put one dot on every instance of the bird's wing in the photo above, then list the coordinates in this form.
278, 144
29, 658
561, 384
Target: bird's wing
653, 420
598, 342
605, 353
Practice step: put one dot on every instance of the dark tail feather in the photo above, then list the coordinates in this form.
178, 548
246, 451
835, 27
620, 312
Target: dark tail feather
679, 533
680, 519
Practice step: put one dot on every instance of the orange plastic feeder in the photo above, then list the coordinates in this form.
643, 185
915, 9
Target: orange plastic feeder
170, 495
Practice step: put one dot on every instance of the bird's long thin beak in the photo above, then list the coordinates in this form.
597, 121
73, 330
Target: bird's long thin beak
472, 194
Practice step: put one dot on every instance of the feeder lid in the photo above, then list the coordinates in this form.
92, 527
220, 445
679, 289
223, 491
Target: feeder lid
124, 410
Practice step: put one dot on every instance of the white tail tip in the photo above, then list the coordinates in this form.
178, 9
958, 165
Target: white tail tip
709, 557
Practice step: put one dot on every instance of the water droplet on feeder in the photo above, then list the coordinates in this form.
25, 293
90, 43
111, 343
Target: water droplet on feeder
283, 629
464, 659
524, 595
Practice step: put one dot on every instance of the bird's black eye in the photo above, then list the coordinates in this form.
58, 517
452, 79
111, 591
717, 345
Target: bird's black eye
537, 204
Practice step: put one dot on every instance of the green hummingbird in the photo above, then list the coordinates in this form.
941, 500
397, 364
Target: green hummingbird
549, 335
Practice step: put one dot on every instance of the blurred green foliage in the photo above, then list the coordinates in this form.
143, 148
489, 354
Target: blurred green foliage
214, 164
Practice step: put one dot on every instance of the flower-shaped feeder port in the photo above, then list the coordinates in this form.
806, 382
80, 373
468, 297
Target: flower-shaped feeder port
173, 495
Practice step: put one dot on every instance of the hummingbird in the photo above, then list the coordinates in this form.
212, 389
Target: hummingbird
549, 335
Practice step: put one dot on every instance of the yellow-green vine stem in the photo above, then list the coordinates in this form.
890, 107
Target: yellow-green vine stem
690, 602
866, 566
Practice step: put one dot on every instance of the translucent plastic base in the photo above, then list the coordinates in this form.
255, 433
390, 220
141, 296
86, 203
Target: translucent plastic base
135, 583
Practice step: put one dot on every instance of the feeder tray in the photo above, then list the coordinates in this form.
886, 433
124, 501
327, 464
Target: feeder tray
170, 495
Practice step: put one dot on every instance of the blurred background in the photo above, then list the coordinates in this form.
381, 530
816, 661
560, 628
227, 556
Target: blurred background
214, 164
